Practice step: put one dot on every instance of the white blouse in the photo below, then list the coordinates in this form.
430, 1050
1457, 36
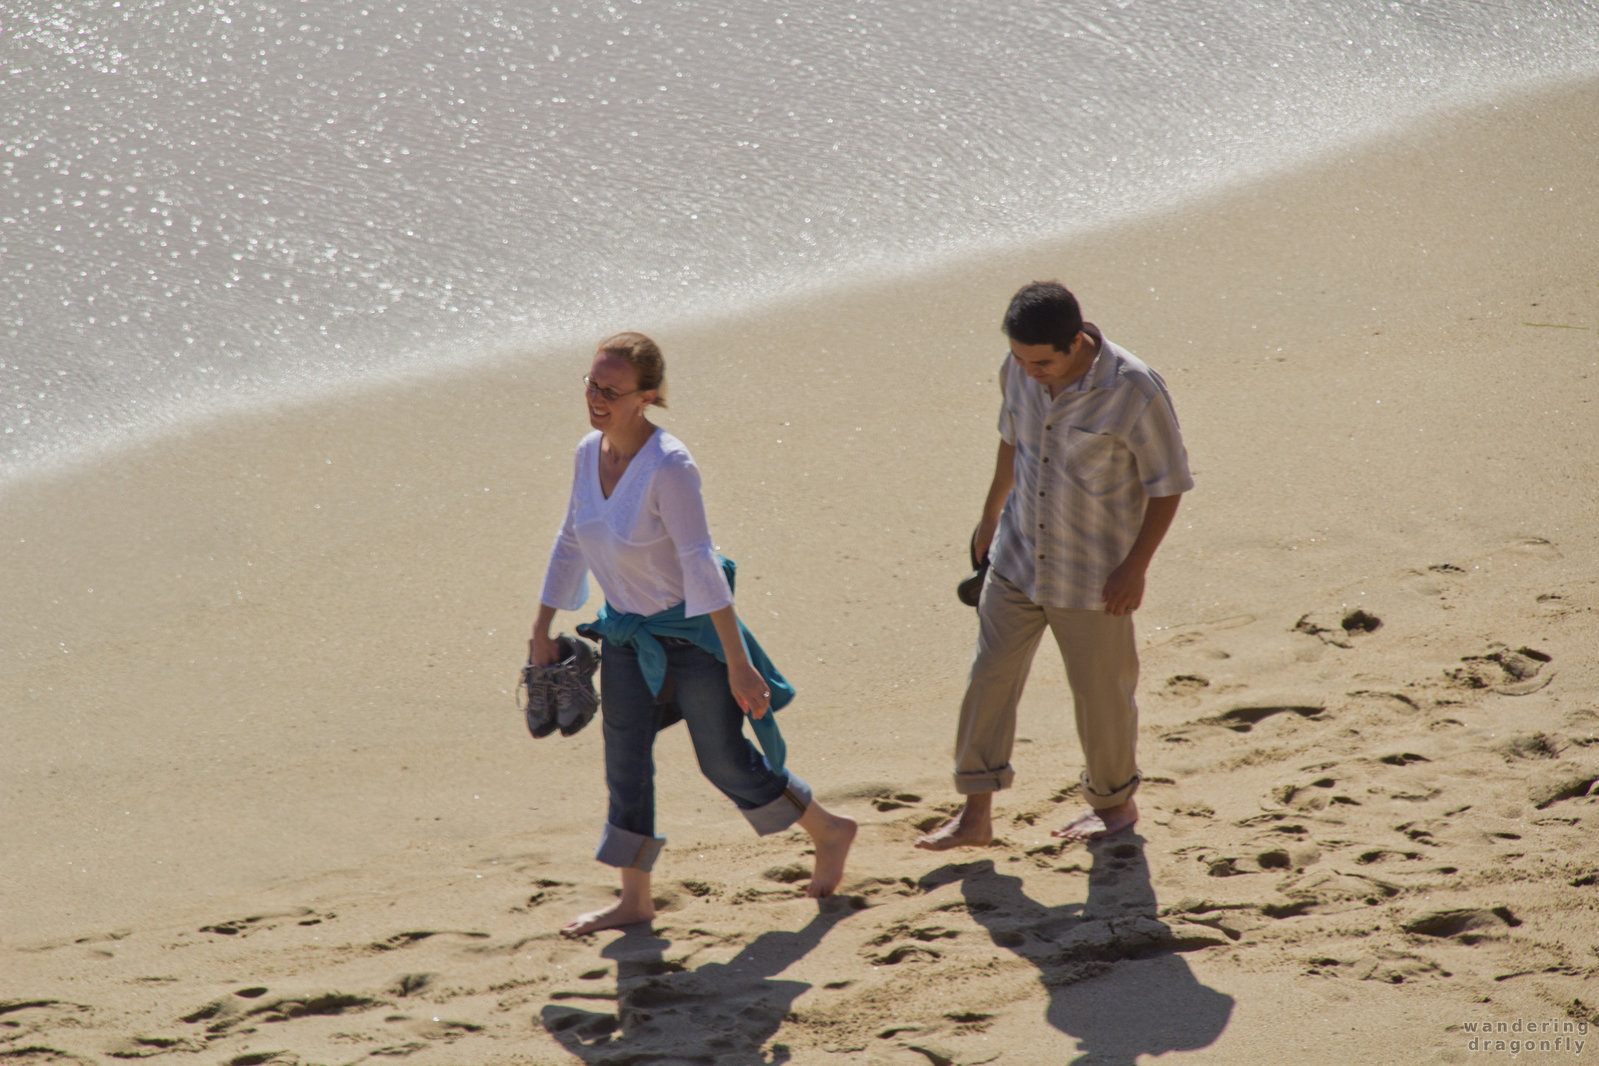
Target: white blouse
648, 545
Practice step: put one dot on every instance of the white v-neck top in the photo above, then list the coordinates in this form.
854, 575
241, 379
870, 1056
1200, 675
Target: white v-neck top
648, 545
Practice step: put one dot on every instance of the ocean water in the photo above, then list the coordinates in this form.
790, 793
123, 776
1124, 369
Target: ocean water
210, 204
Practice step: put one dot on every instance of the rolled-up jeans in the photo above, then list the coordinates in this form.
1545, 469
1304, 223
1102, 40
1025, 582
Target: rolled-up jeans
631, 716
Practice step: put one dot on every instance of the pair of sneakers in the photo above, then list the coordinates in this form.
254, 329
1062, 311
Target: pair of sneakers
561, 695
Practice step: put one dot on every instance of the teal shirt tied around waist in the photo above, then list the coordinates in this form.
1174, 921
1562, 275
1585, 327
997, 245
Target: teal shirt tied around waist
641, 631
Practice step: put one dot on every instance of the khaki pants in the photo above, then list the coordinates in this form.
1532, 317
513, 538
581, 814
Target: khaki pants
1101, 659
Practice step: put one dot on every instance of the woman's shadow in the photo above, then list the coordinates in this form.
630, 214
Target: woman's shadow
717, 1012
1115, 976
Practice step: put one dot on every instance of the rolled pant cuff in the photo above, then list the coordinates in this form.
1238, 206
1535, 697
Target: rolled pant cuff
1115, 798
782, 812
627, 849
974, 781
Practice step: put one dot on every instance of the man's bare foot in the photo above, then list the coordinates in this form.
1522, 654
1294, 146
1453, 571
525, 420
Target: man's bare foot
617, 914
1093, 824
972, 828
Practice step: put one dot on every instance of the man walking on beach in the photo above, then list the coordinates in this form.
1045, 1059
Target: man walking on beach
1090, 470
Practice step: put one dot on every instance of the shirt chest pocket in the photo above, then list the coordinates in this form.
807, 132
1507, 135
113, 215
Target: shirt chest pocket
1091, 458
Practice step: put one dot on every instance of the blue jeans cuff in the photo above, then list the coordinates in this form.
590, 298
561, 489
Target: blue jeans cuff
784, 811
624, 848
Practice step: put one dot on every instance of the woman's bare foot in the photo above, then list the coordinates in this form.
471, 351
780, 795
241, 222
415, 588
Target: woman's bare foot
972, 828
1093, 824
832, 835
607, 918
634, 905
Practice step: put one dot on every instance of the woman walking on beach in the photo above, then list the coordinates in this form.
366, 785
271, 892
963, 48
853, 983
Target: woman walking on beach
672, 645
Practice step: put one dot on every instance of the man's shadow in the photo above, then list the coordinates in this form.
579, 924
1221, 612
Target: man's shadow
1115, 978
717, 1012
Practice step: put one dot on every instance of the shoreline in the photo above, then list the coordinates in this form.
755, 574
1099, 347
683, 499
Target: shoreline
262, 675
500, 357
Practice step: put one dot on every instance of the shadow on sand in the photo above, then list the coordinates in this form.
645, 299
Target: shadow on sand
667, 1013
1116, 980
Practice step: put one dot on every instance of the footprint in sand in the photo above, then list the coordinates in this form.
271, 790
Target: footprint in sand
1187, 684
409, 984
1227, 918
1338, 628
1435, 580
868, 888
904, 942
1244, 719
1538, 547
1569, 786
1529, 746
1318, 795
1329, 892
543, 892
789, 874
1381, 855
229, 1012
896, 801
1509, 672
700, 889
904, 953
259, 922
1191, 634
1274, 822
582, 1025
1263, 862
1555, 603
1396, 967
1374, 694
143, 1047
1466, 925
408, 939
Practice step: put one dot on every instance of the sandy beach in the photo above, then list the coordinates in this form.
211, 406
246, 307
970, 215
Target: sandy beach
268, 798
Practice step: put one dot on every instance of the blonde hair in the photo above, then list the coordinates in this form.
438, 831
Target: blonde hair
644, 356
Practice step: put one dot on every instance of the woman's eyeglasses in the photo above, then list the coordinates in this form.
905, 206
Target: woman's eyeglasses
608, 395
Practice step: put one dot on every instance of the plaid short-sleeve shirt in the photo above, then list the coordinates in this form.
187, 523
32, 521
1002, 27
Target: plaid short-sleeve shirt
1087, 463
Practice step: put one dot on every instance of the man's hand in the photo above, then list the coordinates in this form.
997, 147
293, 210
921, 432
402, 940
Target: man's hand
983, 538
994, 503
1124, 589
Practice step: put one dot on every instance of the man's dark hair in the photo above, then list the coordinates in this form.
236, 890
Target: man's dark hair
1044, 312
